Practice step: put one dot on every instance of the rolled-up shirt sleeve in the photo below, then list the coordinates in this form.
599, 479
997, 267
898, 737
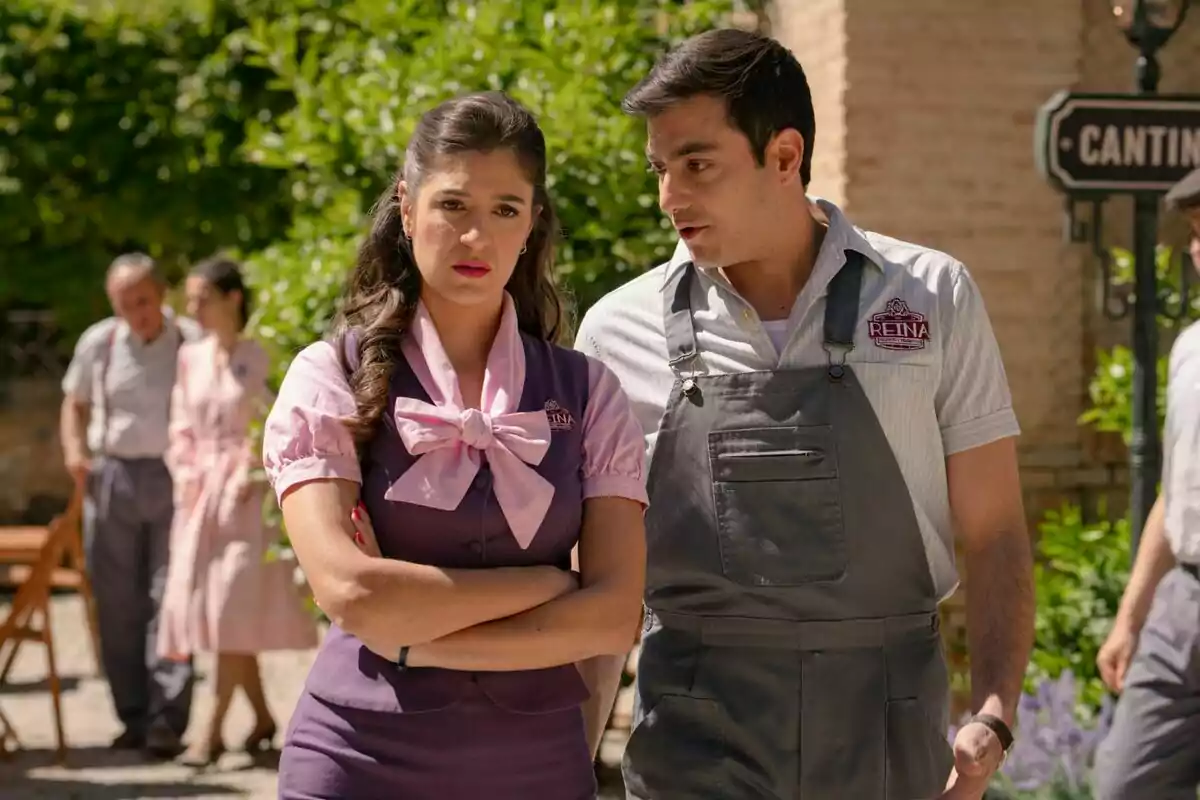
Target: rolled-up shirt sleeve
614, 453
974, 404
305, 438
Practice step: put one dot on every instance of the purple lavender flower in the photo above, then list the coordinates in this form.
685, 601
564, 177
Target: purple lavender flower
1054, 749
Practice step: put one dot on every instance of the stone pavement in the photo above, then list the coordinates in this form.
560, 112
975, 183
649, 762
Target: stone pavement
92, 772
95, 773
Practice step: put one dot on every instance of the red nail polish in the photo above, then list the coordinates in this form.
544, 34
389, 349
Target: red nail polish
354, 514
358, 538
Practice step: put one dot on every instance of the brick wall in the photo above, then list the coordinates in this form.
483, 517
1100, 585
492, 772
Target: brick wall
816, 31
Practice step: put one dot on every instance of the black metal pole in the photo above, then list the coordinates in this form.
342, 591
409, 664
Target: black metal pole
1144, 451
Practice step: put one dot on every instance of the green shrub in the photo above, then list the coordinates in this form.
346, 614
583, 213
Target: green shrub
104, 149
1081, 571
360, 83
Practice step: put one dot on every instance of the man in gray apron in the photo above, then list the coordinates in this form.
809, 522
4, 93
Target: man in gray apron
819, 404
1152, 655
115, 413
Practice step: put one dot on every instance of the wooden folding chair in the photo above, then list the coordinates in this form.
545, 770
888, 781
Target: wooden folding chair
29, 620
22, 545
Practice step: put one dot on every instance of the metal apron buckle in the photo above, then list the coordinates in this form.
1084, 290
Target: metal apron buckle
836, 361
688, 385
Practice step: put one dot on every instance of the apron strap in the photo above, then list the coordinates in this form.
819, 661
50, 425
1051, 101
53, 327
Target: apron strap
841, 313
680, 329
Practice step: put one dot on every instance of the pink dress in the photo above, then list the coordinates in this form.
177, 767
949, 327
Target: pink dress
221, 594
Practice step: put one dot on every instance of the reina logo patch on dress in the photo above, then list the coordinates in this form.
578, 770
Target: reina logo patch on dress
560, 418
898, 327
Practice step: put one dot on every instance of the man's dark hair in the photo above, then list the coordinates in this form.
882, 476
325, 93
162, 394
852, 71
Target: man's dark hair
763, 86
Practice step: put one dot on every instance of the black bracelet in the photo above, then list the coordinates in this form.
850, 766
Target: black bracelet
998, 727
402, 659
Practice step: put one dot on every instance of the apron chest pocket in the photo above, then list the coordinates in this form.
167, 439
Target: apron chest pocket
778, 505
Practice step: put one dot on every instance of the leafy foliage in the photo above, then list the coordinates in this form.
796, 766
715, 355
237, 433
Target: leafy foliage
1081, 573
360, 84
267, 128
1111, 386
104, 149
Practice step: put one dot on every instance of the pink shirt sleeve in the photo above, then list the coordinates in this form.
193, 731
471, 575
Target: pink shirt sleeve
614, 452
304, 438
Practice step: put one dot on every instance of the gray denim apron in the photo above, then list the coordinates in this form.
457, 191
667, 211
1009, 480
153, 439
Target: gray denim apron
791, 645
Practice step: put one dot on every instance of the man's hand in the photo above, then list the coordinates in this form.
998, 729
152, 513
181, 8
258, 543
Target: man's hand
78, 466
977, 756
1154, 560
1115, 655
72, 428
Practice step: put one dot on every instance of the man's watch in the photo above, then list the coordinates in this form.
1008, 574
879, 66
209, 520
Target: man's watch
402, 659
998, 727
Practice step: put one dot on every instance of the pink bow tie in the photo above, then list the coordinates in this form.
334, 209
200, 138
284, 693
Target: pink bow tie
448, 442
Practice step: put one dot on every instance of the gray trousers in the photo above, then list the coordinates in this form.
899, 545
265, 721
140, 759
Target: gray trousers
127, 533
1153, 749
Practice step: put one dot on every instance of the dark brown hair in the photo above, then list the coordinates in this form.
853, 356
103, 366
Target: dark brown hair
383, 291
761, 83
225, 275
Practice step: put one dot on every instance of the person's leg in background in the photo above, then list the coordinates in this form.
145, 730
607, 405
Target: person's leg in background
264, 723
113, 548
208, 746
169, 682
1153, 749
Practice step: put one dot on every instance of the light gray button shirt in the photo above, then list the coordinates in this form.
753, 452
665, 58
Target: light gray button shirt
1181, 448
130, 400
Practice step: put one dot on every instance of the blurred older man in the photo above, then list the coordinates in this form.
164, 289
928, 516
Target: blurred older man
114, 433
1152, 655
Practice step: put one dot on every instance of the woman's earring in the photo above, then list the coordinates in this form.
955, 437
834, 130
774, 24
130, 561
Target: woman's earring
524, 247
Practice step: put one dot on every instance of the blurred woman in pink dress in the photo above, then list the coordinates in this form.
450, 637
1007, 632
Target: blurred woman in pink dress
221, 595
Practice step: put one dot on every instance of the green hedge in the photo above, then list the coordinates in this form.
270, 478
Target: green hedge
106, 147
360, 83
267, 127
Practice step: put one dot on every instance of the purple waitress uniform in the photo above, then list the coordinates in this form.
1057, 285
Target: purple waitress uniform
457, 488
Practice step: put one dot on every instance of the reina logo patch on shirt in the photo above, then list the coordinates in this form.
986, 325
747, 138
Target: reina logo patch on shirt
898, 327
560, 418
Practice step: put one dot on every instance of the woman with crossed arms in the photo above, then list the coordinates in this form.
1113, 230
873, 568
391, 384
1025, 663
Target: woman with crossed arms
484, 455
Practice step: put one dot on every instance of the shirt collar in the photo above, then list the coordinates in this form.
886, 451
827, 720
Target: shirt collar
504, 374
841, 236
126, 333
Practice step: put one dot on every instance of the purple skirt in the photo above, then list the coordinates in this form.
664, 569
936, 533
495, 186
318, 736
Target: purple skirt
473, 750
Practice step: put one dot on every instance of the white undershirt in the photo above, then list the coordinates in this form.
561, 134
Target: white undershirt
778, 330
